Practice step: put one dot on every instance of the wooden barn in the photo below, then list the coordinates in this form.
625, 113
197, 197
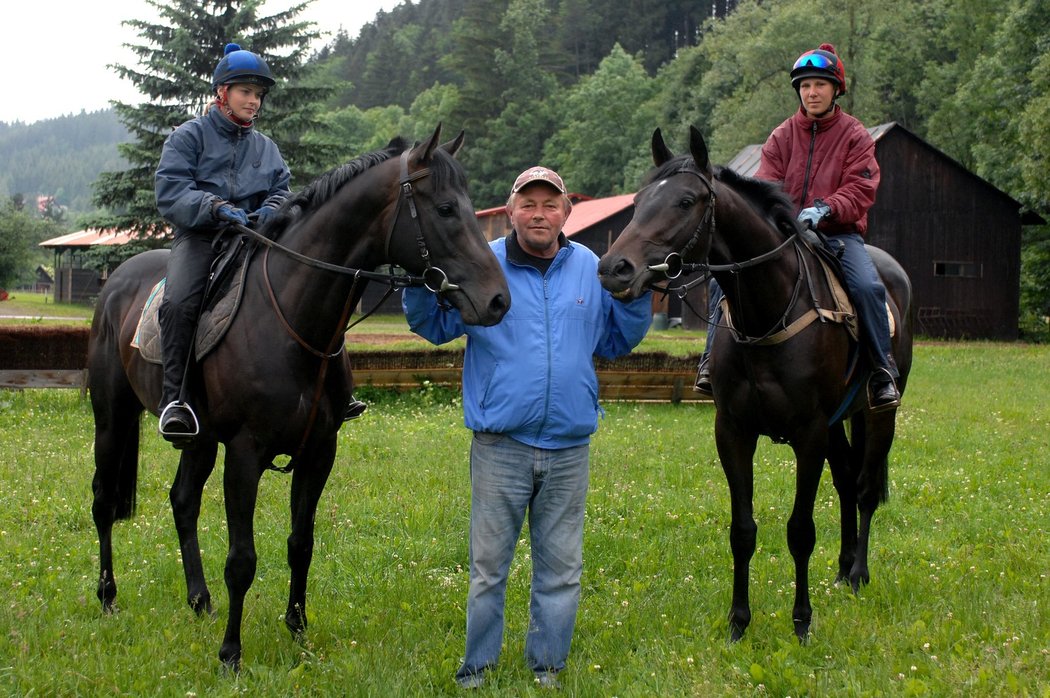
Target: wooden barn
958, 237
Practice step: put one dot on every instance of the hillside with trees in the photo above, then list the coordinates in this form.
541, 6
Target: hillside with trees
581, 84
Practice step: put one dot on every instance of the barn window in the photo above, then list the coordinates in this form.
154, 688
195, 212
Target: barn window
969, 270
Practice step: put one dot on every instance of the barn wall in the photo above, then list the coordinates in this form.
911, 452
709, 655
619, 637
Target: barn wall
930, 213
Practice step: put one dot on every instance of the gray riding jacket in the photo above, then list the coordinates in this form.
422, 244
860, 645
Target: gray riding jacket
210, 160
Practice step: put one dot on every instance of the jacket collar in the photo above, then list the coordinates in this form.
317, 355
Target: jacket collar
223, 125
806, 122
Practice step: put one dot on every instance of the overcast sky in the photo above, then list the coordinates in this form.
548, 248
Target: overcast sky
54, 53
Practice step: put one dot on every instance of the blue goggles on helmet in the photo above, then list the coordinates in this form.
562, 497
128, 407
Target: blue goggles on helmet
814, 60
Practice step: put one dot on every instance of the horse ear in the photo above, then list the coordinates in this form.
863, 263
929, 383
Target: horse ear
453, 146
661, 153
423, 151
698, 148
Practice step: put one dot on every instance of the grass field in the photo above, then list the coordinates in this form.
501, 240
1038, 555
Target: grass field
958, 604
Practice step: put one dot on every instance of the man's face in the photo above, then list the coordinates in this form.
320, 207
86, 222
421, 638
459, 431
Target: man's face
817, 95
537, 212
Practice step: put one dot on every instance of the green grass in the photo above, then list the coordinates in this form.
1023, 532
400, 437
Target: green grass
26, 306
958, 604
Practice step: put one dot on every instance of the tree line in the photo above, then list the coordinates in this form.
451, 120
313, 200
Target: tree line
580, 85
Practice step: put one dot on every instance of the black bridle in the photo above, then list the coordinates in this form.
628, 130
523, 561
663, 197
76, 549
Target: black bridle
434, 279
674, 264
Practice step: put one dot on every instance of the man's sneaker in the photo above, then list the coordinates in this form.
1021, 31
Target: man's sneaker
470, 681
548, 679
884, 393
355, 409
702, 384
178, 424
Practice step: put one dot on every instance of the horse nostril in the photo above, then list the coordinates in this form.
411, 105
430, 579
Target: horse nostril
623, 269
499, 304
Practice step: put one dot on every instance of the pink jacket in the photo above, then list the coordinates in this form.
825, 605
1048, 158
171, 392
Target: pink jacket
841, 169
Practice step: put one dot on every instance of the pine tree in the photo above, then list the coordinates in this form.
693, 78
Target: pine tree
176, 61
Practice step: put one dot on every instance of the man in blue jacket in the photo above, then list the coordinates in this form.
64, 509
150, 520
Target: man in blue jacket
530, 395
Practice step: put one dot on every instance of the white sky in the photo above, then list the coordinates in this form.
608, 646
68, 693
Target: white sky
54, 53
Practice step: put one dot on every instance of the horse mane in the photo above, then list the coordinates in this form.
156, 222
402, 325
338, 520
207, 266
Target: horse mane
317, 192
763, 195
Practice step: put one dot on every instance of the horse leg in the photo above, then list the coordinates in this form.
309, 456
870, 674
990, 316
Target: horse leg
736, 451
308, 481
873, 436
801, 532
195, 466
844, 475
117, 414
242, 472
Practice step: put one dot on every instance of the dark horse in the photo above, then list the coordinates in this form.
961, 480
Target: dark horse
279, 381
780, 372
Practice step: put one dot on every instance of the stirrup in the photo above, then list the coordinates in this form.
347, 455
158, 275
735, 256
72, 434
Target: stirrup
890, 404
178, 435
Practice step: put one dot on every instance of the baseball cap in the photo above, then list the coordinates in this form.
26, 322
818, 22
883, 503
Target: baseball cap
538, 174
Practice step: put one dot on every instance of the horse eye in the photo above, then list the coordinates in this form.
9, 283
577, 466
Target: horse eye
446, 210
686, 203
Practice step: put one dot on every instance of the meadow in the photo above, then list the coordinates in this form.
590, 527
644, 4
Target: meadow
957, 606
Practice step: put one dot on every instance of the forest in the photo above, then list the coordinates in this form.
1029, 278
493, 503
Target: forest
580, 84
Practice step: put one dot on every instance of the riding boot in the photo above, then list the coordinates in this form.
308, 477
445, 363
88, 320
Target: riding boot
178, 422
882, 386
883, 391
354, 409
702, 385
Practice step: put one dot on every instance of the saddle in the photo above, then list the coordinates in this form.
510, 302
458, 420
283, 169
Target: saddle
222, 299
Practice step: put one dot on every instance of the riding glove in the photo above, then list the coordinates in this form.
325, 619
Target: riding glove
810, 217
263, 214
231, 214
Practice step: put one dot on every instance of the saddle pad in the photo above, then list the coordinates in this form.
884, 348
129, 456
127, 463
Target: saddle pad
147, 333
212, 326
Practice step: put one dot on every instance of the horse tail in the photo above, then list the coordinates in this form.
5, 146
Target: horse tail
128, 473
873, 480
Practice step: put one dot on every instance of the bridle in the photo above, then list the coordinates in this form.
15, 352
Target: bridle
674, 264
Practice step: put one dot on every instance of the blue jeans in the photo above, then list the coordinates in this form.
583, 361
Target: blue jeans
508, 478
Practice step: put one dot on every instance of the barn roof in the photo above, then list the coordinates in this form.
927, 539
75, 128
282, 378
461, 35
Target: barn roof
83, 239
746, 163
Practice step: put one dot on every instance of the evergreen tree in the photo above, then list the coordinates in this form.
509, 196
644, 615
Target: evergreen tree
177, 59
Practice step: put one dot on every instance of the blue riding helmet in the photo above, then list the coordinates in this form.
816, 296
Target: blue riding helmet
241, 66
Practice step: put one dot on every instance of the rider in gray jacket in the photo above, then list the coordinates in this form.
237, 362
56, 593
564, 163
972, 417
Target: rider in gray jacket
214, 170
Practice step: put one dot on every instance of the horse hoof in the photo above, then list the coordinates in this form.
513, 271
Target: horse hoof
231, 659
201, 605
802, 632
857, 580
295, 620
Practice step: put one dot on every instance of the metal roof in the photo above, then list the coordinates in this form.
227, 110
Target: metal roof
89, 238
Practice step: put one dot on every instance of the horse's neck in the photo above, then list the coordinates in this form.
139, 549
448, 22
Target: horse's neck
315, 301
758, 295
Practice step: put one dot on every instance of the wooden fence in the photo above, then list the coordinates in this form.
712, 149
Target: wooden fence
54, 357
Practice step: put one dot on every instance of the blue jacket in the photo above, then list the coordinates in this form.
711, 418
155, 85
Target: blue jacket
532, 376
210, 160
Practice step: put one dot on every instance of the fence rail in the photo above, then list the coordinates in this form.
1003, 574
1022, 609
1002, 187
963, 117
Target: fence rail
40, 357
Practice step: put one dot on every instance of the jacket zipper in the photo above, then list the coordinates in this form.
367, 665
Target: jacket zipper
809, 163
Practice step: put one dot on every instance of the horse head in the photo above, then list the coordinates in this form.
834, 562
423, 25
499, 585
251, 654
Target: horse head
673, 220
435, 234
